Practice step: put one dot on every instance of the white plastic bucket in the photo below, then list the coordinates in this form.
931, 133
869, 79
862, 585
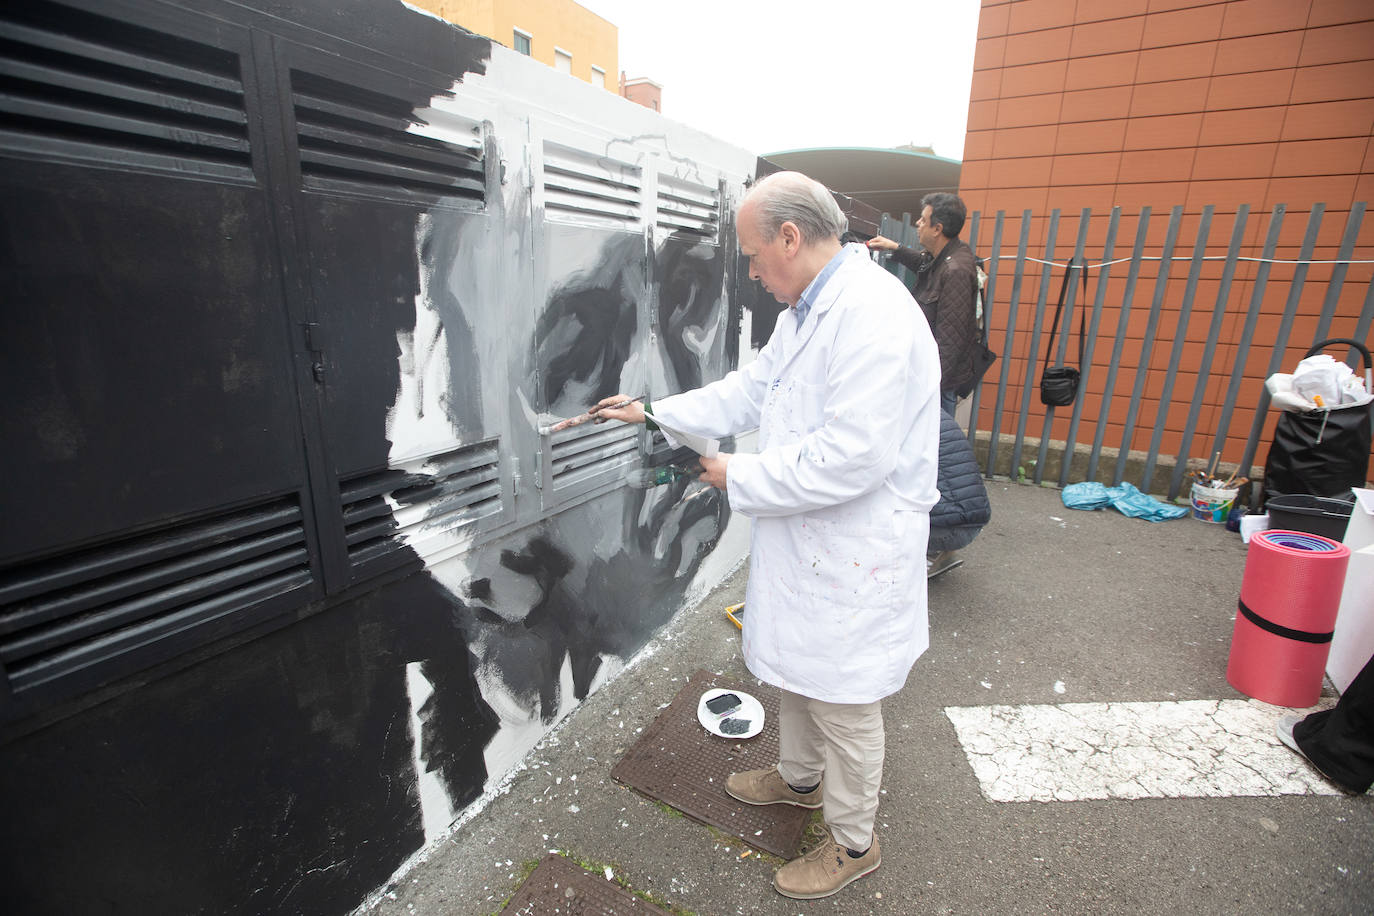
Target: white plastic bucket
1213, 504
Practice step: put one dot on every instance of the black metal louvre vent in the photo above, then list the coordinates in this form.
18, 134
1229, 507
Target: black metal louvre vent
392, 508
88, 615
582, 184
95, 88
685, 206
357, 140
586, 451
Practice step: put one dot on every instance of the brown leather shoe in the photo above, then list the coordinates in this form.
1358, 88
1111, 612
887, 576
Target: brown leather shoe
767, 787
825, 870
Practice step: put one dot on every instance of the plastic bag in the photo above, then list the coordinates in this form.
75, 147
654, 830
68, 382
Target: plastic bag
1126, 499
1321, 375
1333, 381
1281, 394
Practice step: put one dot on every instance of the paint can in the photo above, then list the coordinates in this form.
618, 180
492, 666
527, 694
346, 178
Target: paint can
1289, 597
1213, 504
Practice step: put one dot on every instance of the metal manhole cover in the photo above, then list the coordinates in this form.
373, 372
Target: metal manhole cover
561, 887
679, 763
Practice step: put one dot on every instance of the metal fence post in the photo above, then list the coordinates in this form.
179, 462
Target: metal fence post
1290, 310
1046, 271
1147, 343
1247, 334
1118, 346
1070, 303
989, 293
1070, 444
1209, 350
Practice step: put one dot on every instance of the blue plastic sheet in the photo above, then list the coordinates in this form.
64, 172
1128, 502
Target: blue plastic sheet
1126, 499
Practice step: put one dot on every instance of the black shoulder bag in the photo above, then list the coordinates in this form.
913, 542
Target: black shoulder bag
1059, 384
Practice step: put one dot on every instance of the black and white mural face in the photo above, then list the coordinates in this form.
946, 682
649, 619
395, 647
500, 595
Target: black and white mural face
531, 308
548, 612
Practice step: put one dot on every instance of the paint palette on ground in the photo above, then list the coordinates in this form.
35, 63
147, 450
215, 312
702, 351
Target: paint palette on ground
730, 713
673, 762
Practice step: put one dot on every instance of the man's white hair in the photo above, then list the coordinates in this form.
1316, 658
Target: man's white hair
796, 198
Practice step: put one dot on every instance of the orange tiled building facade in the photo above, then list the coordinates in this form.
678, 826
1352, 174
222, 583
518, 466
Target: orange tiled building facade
1160, 103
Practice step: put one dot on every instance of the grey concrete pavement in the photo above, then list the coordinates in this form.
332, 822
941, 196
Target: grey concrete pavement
1109, 608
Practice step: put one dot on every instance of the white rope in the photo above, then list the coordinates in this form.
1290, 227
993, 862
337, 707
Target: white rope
1213, 257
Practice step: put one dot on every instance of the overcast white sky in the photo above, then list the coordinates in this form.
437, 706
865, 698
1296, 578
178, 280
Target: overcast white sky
773, 75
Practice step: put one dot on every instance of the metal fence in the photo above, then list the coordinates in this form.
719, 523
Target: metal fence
1271, 297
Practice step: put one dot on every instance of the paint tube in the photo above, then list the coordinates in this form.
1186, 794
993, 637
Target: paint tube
644, 478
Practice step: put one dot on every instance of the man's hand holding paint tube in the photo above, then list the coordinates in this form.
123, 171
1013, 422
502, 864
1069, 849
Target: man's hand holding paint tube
628, 410
713, 470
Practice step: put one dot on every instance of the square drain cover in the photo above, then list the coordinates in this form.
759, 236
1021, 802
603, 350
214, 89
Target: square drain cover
679, 763
560, 886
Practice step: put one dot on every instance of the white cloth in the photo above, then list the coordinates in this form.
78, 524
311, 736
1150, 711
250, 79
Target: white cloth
840, 491
1318, 376
1321, 376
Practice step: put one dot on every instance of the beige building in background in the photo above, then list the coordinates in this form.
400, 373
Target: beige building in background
642, 91
560, 33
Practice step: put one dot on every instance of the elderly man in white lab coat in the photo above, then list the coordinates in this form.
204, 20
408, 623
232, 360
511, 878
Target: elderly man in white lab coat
845, 396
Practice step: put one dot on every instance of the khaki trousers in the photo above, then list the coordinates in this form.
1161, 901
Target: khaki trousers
843, 742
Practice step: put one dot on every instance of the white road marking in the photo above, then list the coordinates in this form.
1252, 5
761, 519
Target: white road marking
1080, 751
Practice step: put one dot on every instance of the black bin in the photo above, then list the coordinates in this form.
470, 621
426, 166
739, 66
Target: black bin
1323, 515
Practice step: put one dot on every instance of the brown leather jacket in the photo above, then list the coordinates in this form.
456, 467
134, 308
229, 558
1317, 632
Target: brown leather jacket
947, 291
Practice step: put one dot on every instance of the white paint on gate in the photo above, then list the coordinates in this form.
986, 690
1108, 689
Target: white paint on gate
1081, 751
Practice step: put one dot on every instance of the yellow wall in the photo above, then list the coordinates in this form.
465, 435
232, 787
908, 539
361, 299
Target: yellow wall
591, 40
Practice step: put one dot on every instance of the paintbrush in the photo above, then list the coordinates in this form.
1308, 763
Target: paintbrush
584, 417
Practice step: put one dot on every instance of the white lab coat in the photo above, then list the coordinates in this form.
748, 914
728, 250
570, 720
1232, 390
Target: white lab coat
840, 491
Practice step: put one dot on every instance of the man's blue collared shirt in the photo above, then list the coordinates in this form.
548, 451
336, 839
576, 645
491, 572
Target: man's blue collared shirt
813, 289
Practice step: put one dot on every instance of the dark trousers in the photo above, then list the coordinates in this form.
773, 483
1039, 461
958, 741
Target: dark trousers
1340, 741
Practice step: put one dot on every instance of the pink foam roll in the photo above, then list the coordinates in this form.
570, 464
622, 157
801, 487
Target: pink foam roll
1289, 597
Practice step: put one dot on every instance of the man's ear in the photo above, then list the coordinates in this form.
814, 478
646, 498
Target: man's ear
791, 237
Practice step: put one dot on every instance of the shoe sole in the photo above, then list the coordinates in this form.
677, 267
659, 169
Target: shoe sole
944, 569
1284, 730
780, 801
848, 881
